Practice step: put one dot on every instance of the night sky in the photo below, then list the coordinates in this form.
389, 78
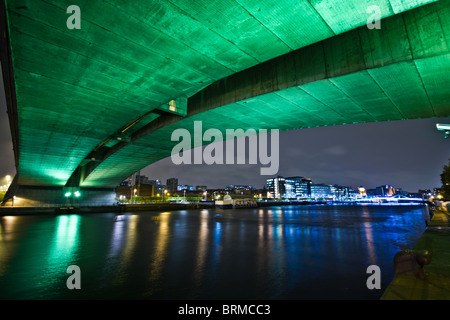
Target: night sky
409, 154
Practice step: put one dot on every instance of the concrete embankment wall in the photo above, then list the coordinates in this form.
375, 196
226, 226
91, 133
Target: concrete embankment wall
165, 207
33, 196
101, 209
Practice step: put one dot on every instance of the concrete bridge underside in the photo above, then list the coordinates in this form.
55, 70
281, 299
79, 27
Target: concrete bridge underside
89, 107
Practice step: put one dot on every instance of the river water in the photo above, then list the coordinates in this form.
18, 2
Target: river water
289, 252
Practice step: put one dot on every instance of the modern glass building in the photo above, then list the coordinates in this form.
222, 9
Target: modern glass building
275, 187
322, 191
299, 187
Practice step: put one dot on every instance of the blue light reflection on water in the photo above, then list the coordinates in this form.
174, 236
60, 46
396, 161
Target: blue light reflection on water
294, 252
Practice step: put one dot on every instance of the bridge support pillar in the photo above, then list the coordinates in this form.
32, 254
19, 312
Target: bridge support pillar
37, 196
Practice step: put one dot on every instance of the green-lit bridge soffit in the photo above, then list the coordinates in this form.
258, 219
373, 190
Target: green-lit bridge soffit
95, 104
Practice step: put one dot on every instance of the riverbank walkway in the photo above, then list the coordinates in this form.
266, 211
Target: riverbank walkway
436, 285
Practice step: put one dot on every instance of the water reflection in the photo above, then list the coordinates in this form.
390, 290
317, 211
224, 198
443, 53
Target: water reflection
367, 229
64, 241
202, 248
8, 246
123, 242
216, 247
35, 253
160, 252
267, 253
63, 250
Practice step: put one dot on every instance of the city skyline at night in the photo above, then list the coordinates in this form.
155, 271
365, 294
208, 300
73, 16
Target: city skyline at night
274, 187
408, 153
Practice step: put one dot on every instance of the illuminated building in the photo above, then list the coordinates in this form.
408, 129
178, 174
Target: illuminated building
385, 190
362, 191
172, 185
275, 187
321, 191
297, 187
182, 187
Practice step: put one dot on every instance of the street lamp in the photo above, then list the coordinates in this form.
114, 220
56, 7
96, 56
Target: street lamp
8, 183
445, 128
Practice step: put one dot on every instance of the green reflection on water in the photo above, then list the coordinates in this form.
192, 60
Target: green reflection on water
65, 241
62, 254
35, 254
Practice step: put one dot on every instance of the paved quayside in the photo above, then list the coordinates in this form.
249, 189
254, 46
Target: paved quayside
436, 285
